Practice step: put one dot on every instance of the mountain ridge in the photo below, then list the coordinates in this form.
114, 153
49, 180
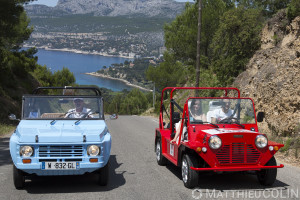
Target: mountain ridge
149, 8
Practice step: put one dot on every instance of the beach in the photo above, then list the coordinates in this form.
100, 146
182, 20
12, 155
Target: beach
119, 79
79, 51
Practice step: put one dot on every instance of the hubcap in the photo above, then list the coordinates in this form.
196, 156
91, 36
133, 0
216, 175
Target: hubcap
184, 171
158, 151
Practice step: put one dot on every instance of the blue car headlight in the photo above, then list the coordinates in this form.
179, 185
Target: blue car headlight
93, 150
26, 151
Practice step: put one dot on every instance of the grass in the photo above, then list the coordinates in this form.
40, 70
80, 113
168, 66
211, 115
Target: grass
5, 129
286, 145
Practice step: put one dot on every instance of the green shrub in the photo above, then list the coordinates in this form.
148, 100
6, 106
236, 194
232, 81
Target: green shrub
286, 145
293, 9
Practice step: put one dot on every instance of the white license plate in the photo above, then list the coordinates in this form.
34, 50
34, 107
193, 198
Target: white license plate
60, 165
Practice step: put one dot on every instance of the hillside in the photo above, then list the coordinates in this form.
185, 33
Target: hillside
148, 8
272, 78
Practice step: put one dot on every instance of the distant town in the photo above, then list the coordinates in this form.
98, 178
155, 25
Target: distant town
100, 43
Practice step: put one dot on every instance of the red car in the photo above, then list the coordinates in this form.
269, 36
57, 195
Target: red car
214, 134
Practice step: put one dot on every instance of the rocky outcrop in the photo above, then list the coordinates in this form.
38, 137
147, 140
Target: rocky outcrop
149, 8
272, 77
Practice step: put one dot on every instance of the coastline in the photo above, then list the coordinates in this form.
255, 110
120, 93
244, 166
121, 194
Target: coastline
118, 79
78, 51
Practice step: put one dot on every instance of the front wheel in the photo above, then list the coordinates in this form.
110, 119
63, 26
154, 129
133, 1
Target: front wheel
268, 176
103, 175
19, 178
161, 160
189, 177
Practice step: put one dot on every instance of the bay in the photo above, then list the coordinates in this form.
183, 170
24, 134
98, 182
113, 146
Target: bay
79, 64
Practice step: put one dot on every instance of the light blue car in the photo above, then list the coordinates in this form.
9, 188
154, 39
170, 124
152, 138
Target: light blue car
61, 133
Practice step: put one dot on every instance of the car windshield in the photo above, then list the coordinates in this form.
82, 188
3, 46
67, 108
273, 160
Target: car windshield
55, 107
220, 110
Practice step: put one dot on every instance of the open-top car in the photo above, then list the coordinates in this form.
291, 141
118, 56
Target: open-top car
215, 134
62, 131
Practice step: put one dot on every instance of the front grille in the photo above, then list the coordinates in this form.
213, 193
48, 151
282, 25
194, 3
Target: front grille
238, 153
60, 151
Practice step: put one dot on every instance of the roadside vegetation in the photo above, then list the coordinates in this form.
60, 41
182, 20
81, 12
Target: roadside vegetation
20, 72
5, 129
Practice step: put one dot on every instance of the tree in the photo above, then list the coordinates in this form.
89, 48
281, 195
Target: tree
235, 42
269, 7
293, 9
168, 73
13, 31
63, 78
181, 34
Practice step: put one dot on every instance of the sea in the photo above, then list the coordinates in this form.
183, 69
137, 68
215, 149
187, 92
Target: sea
79, 64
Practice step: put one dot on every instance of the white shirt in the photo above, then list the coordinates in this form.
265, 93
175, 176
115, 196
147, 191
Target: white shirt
73, 114
220, 115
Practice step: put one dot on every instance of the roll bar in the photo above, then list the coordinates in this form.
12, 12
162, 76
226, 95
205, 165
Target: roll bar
187, 88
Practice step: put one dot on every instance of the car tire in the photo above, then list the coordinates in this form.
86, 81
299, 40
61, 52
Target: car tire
161, 160
19, 178
103, 175
268, 176
189, 177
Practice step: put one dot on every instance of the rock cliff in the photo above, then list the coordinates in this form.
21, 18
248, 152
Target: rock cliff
272, 77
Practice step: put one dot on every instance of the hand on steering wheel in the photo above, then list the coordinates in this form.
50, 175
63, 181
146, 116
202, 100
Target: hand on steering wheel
228, 120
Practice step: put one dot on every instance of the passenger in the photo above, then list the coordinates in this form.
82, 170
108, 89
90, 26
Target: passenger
222, 113
195, 111
79, 111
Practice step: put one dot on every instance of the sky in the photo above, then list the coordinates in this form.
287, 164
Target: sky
53, 3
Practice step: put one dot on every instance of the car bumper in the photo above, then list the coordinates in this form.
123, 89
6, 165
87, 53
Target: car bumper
83, 168
240, 168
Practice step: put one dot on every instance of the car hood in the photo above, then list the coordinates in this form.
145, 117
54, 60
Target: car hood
234, 135
61, 131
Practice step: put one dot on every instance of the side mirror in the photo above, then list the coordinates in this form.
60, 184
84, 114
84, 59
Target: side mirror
12, 117
260, 116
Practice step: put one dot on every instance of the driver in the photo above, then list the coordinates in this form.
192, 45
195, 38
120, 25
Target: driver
222, 113
79, 111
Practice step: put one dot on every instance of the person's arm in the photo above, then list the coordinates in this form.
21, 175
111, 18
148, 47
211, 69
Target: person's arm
71, 111
214, 117
204, 118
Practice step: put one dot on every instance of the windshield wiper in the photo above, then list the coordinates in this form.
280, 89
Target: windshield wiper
215, 125
237, 123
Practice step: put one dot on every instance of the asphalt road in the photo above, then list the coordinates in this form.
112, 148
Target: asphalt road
134, 174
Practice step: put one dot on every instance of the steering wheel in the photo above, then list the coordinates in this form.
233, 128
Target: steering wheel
228, 120
86, 115
67, 114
